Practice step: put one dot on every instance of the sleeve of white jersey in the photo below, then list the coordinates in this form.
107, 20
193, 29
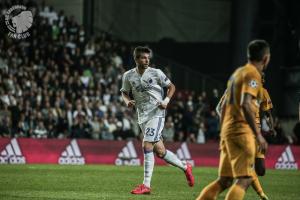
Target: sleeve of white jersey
165, 81
125, 84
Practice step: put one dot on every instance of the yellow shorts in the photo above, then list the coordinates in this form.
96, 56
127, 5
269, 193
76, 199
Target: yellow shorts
237, 156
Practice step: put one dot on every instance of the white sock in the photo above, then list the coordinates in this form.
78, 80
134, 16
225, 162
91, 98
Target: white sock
148, 167
172, 159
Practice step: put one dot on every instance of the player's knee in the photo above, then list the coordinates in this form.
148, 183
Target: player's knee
160, 153
244, 182
147, 146
159, 149
225, 182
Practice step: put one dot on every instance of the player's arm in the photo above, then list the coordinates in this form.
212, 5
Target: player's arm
125, 92
250, 118
222, 113
219, 108
170, 92
129, 102
270, 121
266, 107
165, 82
220, 105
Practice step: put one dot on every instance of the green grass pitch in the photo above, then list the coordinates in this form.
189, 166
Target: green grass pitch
48, 182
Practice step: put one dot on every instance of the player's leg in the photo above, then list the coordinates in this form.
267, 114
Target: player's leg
172, 159
238, 189
153, 131
168, 156
148, 162
211, 191
148, 145
148, 170
258, 188
260, 171
242, 156
225, 179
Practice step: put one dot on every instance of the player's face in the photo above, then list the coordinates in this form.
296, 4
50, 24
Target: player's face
143, 61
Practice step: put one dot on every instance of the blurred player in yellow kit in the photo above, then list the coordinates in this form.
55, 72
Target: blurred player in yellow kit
265, 105
239, 130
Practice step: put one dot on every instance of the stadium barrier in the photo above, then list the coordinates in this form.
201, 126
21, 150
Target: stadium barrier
81, 151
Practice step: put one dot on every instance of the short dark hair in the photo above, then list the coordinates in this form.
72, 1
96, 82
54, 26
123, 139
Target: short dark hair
257, 49
139, 50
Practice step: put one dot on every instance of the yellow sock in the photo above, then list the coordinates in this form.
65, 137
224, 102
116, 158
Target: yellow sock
210, 192
236, 192
256, 185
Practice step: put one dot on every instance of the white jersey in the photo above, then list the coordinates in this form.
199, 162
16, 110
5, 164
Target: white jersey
147, 91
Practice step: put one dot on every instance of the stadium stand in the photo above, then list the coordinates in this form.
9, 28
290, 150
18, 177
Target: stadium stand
60, 84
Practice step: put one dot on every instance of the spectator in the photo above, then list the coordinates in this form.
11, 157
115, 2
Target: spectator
108, 128
23, 127
280, 137
168, 131
96, 127
212, 125
116, 60
201, 134
188, 119
81, 128
296, 131
40, 131
5, 130
215, 99
126, 126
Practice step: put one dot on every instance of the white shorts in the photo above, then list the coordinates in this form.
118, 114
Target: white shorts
152, 129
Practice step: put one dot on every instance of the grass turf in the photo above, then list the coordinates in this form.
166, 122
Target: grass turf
48, 182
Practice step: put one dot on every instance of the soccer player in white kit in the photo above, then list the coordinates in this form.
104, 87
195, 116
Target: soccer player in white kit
146, 84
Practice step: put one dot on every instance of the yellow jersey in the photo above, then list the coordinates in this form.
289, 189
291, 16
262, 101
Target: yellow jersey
245, 79
264, 103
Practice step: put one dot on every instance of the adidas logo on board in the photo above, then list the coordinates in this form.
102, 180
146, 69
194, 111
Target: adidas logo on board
12, 154
128, 156
71, 155
183, 154
286, 160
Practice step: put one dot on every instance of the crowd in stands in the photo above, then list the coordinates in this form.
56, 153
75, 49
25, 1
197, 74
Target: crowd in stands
60, 84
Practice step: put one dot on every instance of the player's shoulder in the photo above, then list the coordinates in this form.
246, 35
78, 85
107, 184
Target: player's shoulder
129, 72
238, 71
153, 70
250, 70
247, 72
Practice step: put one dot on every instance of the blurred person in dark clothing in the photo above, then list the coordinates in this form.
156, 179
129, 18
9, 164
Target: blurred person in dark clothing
188, 119
81, 128
212, 122
296, 131
179, 127
5, 130
280, 136
215, 99
168, 132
